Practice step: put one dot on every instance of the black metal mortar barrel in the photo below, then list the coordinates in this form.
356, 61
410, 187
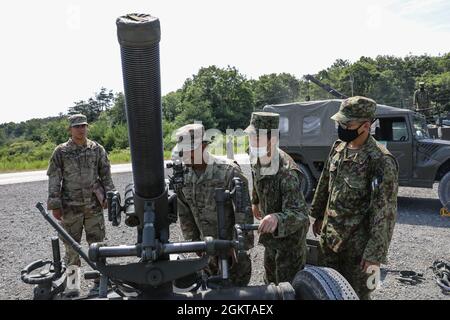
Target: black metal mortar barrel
139, 36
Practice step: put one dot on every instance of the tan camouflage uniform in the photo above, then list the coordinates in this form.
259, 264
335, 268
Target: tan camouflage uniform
198, 215
357, 199
279, 194
74, 171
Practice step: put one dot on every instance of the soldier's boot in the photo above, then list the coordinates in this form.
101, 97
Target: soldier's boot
73, 282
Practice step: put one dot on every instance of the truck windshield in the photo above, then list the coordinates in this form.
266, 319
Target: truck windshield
420, 128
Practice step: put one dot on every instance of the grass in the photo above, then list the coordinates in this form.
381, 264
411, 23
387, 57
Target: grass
18, 165
22, 165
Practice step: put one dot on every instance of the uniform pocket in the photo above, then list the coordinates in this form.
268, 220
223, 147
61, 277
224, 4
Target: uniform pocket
354, 191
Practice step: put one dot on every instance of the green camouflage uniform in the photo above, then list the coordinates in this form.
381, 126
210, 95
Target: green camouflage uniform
279, 193
357, 199
74, 172
198, 214
421, 100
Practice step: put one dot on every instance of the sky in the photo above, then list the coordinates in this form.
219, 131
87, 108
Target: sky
55, 52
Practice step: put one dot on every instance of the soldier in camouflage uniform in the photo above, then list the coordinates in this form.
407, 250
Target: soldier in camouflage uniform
421, 100
355, 203
79, 175
277, 201
196, 204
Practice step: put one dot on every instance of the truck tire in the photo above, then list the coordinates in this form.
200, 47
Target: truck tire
307, 184
444, 190
320, 283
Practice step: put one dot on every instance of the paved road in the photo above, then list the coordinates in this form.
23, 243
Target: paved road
31, 176
420, 237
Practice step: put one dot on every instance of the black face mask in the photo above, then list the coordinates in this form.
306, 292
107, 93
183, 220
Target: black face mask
348, 135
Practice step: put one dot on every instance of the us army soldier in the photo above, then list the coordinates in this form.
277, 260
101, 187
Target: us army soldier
355, 203
79, 175
196, 204
277, 201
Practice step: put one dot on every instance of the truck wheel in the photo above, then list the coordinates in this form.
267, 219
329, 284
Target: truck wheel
320, 283
444, 190
307, 184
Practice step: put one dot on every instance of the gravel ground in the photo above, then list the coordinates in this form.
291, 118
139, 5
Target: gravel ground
420, 237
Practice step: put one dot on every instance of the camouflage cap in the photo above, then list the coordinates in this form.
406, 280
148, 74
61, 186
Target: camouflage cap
189, 137
263, 120
77, 119
356, 108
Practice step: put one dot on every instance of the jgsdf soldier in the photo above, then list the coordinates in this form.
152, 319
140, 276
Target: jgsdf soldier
277, 200
355, 203
79, 175
421, 100
196, 204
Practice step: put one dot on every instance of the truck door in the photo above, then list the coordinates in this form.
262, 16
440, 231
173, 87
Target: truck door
395, 134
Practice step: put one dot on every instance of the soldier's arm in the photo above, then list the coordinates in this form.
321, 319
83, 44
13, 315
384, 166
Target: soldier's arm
245, 217
320, 199
54, 173
383, 210
104, 171
187, 222
294, 208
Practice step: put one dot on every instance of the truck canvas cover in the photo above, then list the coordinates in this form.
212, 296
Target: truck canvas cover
308, 123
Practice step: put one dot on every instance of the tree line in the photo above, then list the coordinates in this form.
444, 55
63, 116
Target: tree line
224, 98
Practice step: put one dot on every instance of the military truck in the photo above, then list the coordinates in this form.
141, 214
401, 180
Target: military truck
307, 134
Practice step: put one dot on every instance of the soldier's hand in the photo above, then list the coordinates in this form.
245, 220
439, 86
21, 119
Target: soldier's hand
268, 224
105, 204
317, 227
365, 264
57, 213
256, 212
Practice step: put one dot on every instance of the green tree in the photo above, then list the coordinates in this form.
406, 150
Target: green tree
3, 137
57, 131
200, 111
276, 88
223, 96
172, 105
102, 101
438, 87
116, 137
98, 129
117, 112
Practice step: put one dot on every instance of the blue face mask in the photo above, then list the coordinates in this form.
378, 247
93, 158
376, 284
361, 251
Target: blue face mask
348, 135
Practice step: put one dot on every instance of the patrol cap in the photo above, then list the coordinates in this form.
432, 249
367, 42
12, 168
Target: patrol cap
77, 119
189, 137
263, 120
356, 108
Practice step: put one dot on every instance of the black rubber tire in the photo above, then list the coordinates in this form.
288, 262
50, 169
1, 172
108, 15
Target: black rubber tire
308, 181
444, 190
320, 283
